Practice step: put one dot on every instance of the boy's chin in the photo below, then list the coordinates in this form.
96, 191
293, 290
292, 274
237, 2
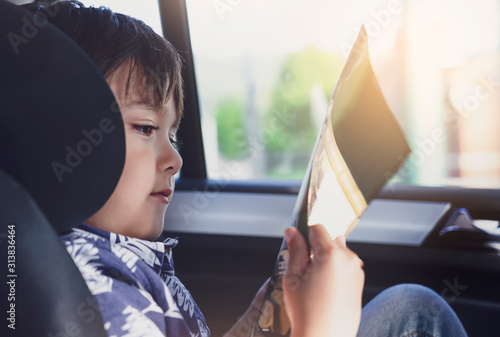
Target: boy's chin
154, 233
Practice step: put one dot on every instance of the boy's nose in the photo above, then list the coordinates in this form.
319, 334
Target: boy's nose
170, 160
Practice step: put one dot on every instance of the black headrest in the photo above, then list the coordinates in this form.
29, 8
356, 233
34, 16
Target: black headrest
61, 132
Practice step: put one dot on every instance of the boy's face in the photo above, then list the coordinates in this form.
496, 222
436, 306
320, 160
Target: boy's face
138, 204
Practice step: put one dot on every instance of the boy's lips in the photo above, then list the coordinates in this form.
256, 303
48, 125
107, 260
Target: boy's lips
163, 195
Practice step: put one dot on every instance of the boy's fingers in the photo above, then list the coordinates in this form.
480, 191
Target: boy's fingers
341, 241
321, 241
298, 254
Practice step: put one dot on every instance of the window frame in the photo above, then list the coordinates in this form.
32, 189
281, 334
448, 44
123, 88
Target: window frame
173, 14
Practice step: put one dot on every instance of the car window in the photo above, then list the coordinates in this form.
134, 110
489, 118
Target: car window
265, 72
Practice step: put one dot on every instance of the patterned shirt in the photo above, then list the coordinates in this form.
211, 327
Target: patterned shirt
134, 284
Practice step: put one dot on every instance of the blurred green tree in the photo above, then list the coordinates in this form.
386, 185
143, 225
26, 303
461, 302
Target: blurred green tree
291, 97
231, 135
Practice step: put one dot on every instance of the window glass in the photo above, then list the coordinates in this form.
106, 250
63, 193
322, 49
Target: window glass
265, 71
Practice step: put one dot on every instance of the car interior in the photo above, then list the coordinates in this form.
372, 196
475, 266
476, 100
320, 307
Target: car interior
435, 222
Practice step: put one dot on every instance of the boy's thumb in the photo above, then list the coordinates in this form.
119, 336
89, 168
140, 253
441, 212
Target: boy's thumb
298, 253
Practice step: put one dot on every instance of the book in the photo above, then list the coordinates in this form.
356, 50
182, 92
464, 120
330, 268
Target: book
359, 148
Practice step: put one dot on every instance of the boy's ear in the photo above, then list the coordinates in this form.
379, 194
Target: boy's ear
61, 133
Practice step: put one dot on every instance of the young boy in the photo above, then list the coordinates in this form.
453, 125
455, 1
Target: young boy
131, 276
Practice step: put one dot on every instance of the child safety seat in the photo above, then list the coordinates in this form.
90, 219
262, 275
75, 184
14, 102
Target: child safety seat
62, 150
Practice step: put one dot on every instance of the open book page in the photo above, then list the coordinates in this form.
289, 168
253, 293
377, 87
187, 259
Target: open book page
359, 148
334, 199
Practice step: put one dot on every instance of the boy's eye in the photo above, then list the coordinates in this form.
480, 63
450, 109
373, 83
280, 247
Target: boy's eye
145, 129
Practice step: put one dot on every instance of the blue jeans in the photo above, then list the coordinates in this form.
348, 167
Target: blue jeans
409, 310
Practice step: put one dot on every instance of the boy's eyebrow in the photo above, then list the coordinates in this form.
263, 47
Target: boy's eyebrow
145, 103
156, 109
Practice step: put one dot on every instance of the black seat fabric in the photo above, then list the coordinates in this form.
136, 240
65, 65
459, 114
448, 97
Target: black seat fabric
62, 150
50, 296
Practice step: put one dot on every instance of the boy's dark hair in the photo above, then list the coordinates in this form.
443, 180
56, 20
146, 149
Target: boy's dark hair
110, 39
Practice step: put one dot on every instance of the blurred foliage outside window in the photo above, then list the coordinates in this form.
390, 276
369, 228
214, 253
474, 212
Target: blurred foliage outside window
266, 70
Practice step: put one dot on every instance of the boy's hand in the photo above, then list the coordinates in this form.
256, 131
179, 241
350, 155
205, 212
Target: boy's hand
323, 295
245, 324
